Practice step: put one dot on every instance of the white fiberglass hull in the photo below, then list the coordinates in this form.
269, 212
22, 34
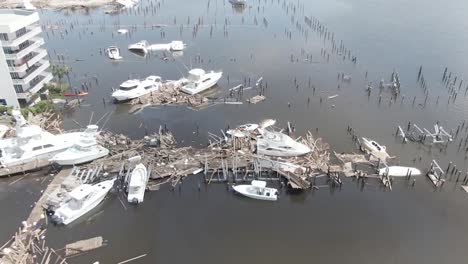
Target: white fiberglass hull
373, 148
66, 215
114, 54
137, 186
270, 194
399, 171
121, 95
69, 157
214, 78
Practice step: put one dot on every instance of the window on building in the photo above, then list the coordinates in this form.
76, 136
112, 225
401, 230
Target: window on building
20, 32
14, 75
18, 88
3, 36
11, 63
23, 45
8, 50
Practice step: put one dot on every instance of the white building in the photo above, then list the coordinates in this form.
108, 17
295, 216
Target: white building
23, 62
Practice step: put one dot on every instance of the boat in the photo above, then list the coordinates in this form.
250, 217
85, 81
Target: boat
399, 171
81, 93
137, 184
135, 88
199, 81
113, 53
238, 2
374, 148
139, 47
127, 3
32, 143
272, 143
83, 151
122, 31
257, 190
175, 45
82, 200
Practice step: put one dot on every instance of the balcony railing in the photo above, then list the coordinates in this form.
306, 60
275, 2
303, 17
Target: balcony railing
32, 72
33, 45
31, 61
20, 39
36, 85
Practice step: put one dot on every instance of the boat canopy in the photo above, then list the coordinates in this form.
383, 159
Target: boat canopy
196, 74
259, 184
81, 192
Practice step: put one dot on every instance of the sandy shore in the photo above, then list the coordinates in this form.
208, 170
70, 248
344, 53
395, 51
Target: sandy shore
55, 3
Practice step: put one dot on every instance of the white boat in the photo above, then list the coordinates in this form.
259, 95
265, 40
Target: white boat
82, 200
374, 148
242, 130
199, 81
85, 150
139, 47
273, 143
28, 6
137, 184
122, 31
127, 3
238, 2
175, 45
113, 53
32, 143
135, 88
399, 171
257, 190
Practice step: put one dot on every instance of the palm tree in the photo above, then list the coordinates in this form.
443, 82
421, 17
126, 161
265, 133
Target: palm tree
59, 71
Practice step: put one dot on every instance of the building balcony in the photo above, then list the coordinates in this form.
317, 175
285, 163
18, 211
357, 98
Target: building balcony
26, 36
36, 86
32, 72
42, 53
35, 44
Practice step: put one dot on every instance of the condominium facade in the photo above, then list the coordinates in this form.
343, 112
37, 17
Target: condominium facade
24, 66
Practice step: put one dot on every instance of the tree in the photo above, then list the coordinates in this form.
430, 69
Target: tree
59, 71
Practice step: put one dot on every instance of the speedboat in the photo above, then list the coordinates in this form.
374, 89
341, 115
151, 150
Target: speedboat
399, 171
374, 148
199, 81
257, 190
273, 143
137, 184
32, 143
238, 2
175, 45
113, 53
139, 47
135, 88
82, 200
85, 150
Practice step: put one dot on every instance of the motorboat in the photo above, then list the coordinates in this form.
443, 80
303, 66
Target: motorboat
238, 2
32, 143
399, 171
127, 3
175, 45
82, 200
199, 81
272, 143
113, 53
137, 184
374, 148
122, 31
257, 190
83, 151
139, 47
135, 88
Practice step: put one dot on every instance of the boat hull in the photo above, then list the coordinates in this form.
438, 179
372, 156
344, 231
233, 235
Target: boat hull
68, 158
137, 185
246, 190
215, 76
399, 171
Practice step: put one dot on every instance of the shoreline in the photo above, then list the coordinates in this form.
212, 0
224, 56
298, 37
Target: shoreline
56, 3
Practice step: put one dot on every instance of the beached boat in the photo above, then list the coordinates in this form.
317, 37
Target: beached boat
32, 143
273, 143
139, 47
113, 53
83, 151
135, 88
373, 147
82, 200
399, 171
199, 81
257, 190
137, 184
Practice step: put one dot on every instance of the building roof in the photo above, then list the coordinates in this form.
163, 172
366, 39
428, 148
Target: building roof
13, 19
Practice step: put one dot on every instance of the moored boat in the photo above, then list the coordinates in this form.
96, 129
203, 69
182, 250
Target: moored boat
399, 171
137, 184
198, 81
257, 190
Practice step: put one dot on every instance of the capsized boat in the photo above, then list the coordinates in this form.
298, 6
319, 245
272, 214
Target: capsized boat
113, 53
139, 47
137, 184
272, 143
135, 88
83, 151
199, 81
175, 45
82, 200
257, 190
399, 171
374, 148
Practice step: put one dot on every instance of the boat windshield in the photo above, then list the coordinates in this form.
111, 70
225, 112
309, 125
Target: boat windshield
128, 88
191, 85
76, 149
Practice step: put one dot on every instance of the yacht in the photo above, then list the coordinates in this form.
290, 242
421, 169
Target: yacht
137, 184
139, 47
199, 81
113, 53
85, 150
374, 148
257, 190
399, 171
135, 88
273, 143
32, 143
82, 200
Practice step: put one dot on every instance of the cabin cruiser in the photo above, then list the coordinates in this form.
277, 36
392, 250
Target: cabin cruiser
32, 143
139, 47
175, 45
399, 171
113, 53
272, 143
257, 190
137, 184
199, 81
82, 200
135, 88
374, 148
83, 151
